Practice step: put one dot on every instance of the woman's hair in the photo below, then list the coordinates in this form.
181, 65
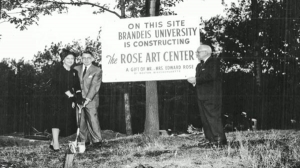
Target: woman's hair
64, 53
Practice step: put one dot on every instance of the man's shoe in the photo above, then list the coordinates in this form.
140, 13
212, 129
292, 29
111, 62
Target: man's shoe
97, 144
203, 143
222, 143
219, 144
87, 143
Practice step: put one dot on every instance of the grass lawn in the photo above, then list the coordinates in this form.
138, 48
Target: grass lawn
271, 148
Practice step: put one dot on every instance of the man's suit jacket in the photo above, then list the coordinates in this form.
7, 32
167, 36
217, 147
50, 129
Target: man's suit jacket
90, 83
209, 80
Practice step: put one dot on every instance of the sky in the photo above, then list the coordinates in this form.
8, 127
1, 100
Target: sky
78, 24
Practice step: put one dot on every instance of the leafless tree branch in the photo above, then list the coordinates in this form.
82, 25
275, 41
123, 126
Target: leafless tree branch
84, 3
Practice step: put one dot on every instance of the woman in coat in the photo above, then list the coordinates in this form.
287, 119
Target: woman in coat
66, 92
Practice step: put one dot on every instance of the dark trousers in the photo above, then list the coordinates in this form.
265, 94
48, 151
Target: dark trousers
210, 113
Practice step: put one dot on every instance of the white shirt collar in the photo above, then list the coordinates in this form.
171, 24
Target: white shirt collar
206, 59
87, 66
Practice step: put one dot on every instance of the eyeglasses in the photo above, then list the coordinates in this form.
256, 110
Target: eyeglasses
87, 58
198, 52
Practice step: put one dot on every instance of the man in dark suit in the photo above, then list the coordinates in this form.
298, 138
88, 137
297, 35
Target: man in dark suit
90, 77
208, 83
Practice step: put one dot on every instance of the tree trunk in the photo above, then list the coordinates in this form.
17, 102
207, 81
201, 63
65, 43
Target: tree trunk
112, 116
127, 114
284, 110
122, 3
0, 8
152, 118
255, 41
126, 90
257, 62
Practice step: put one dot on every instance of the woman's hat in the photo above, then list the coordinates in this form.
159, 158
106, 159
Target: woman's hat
64, 53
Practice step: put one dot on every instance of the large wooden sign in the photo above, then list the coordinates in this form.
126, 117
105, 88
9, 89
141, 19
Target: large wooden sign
150, 48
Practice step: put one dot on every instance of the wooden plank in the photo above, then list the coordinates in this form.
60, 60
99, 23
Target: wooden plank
69, 160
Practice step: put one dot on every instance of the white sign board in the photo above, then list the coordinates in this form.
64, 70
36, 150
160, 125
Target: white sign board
150, 48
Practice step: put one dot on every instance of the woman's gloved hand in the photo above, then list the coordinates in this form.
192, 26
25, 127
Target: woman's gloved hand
78, 98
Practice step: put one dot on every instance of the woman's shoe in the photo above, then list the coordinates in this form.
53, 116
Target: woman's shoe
55, 150
51, 147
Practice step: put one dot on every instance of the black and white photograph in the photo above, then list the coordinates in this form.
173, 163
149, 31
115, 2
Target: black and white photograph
150, 83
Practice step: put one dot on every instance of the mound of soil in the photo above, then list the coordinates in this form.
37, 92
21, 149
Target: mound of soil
18, 139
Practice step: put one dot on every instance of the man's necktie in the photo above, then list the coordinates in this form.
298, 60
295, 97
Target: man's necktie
84, 72
201, 62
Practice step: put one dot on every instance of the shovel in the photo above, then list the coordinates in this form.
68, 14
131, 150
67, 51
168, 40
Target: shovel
75, 146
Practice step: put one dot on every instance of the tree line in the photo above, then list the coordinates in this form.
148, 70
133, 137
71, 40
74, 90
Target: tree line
257, 42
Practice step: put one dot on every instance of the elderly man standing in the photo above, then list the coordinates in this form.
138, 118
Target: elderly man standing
90, 77
208, 83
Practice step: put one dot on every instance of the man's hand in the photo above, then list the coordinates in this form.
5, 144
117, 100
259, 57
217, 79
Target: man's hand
192, 80
87, 100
